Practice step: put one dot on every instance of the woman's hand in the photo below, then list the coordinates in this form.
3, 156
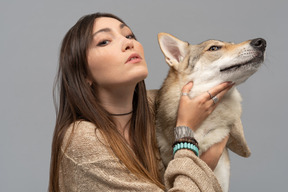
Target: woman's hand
192, 112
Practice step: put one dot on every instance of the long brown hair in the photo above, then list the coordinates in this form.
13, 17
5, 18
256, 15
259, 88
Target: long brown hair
77, 100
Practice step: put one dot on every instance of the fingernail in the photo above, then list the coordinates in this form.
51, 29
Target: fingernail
230, 82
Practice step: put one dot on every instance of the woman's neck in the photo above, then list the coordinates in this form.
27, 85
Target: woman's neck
117, 100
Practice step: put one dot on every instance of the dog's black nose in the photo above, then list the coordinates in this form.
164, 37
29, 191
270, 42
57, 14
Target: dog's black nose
259, 44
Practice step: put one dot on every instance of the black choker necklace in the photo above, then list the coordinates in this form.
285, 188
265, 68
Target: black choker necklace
121, 114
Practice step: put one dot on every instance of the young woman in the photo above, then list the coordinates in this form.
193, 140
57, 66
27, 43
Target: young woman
104, 138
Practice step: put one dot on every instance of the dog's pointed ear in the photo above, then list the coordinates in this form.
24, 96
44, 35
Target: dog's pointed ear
173, 49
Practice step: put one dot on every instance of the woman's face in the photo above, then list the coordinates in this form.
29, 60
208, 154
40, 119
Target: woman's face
114, 56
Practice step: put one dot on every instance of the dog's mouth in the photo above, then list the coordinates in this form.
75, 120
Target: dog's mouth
256, 56
253, 61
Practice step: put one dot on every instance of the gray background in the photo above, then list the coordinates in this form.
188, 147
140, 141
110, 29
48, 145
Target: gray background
30, 36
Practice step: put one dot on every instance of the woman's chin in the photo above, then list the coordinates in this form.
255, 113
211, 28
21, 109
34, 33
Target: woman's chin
139, 75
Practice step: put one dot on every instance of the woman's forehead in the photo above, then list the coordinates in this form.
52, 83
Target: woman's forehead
107, 22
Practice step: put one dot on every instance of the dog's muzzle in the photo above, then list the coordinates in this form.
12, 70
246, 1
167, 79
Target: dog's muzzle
259, 44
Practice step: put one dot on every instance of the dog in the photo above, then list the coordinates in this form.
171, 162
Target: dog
206, 64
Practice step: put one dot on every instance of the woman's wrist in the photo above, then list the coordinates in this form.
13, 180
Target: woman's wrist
183, 131
183, 123
184, 139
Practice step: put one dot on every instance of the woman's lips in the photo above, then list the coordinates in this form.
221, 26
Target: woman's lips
134, 58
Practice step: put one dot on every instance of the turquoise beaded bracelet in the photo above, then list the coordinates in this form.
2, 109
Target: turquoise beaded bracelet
186, 145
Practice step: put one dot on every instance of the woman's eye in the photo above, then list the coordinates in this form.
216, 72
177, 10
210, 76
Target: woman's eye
214, 48
103, 43
131, 36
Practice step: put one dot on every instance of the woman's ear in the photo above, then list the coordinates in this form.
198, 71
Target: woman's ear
89, 82
173, 49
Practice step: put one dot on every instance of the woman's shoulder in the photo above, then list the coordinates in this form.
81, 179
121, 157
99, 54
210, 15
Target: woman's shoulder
83, 142
81, 128
82, 131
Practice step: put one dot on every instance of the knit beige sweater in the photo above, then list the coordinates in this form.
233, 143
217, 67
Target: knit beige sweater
89, 165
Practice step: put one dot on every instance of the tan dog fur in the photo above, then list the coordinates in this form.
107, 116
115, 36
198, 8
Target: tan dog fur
203, 65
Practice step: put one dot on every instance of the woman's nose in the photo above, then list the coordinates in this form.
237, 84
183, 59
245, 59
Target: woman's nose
127, 44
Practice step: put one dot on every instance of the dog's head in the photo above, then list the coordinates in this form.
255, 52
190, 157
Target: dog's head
212, 62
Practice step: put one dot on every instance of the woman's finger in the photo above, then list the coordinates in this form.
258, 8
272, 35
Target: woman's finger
187, 88
215, 99
218, 89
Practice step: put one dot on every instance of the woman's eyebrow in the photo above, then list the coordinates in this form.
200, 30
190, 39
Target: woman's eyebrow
122, 25
102, 30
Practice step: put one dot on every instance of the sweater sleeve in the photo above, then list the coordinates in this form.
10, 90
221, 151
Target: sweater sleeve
88, 164
186, 172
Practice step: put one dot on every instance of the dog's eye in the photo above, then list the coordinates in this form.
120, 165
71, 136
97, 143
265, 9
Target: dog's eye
214, 48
